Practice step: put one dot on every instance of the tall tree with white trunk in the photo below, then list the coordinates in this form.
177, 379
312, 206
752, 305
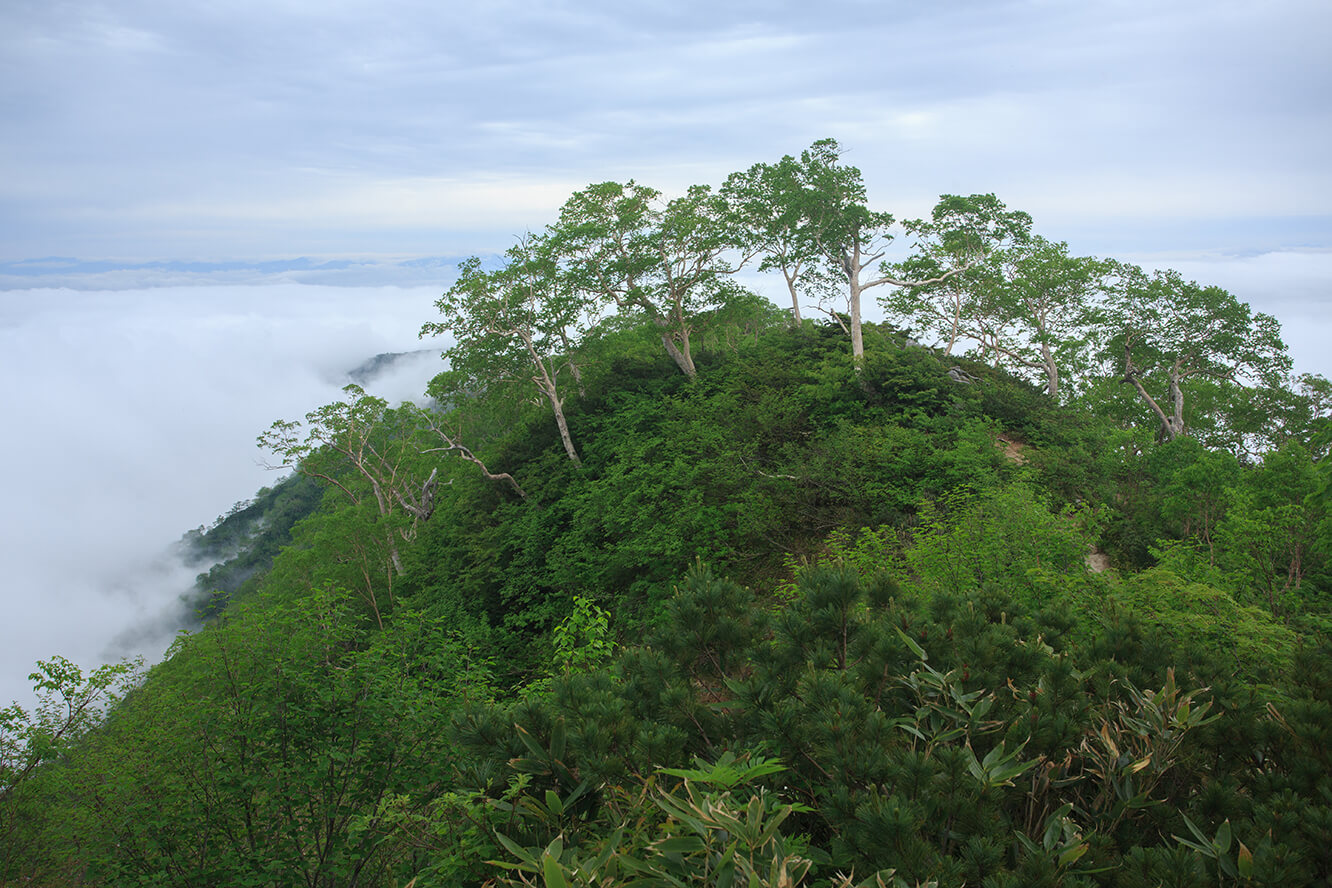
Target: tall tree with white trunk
1029, 307
854, 240
371, 454
519, 321
766, 206
622, 244
1164, 332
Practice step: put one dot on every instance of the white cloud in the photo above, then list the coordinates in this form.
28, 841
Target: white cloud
133, 417
429, 202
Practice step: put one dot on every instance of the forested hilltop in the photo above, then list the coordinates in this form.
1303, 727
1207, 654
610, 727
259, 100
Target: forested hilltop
668, 586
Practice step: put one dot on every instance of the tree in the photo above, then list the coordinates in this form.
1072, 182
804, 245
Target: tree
522, 318
446, 387
1276, 531
270, 749
1255, 420
1197, 493
621, 244
1029, 306
70, 703
852, 238
1165, 332
380, 447
765, 203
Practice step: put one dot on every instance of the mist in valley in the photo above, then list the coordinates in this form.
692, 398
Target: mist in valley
132, 418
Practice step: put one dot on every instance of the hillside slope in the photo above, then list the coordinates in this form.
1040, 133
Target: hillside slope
786, 616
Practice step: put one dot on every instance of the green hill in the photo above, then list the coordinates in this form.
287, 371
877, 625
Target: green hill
681, 592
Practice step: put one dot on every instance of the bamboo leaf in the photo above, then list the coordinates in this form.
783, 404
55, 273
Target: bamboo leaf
911, 645
551, 872
1072, 855
680, 845
1244, 862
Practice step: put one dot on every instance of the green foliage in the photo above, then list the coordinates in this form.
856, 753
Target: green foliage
257, 750
1003, 541
35, 747
1277, 534
241, 546
715, 829
582, 640
1008, 760
1165, 333
623, 245
518, 324
1209, 619
558, 672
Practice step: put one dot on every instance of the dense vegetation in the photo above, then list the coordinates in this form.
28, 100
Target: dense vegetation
668, 587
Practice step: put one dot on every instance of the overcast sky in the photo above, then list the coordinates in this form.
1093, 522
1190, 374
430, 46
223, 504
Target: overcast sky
179, 129
165, 143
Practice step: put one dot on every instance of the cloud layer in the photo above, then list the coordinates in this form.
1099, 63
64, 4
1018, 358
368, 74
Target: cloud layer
132, 418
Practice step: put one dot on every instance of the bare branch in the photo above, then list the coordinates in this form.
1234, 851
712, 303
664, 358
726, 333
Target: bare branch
453, 445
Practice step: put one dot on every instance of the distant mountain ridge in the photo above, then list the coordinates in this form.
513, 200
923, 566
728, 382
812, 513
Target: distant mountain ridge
365, 373
100, 274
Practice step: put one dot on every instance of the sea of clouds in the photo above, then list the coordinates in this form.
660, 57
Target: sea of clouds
131, 417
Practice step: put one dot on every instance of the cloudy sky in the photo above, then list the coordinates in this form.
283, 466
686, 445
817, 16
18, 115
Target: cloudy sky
203, 205
179, 129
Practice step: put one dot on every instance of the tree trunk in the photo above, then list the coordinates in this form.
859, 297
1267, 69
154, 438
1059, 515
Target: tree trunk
394, 557
851, 265
857, 336
682, 358
1177, 398
558, 407
1051, 372
385, 509
796, 319
955, 324
578, 378
546, 383
1171, 426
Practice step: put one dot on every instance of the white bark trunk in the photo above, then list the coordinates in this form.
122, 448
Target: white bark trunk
795, 298
1051, 372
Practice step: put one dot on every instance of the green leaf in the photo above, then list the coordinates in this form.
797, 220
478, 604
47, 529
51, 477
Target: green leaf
680, 845
551, 871
911, 645
1072, 855
528, 860
1054, 825
530, 742
1244, 862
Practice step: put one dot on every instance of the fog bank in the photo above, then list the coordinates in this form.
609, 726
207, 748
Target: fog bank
132, 417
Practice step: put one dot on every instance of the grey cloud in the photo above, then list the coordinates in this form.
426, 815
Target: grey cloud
190, 102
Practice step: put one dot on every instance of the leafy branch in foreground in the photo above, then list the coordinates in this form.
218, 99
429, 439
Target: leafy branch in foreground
70, 703
719, 830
